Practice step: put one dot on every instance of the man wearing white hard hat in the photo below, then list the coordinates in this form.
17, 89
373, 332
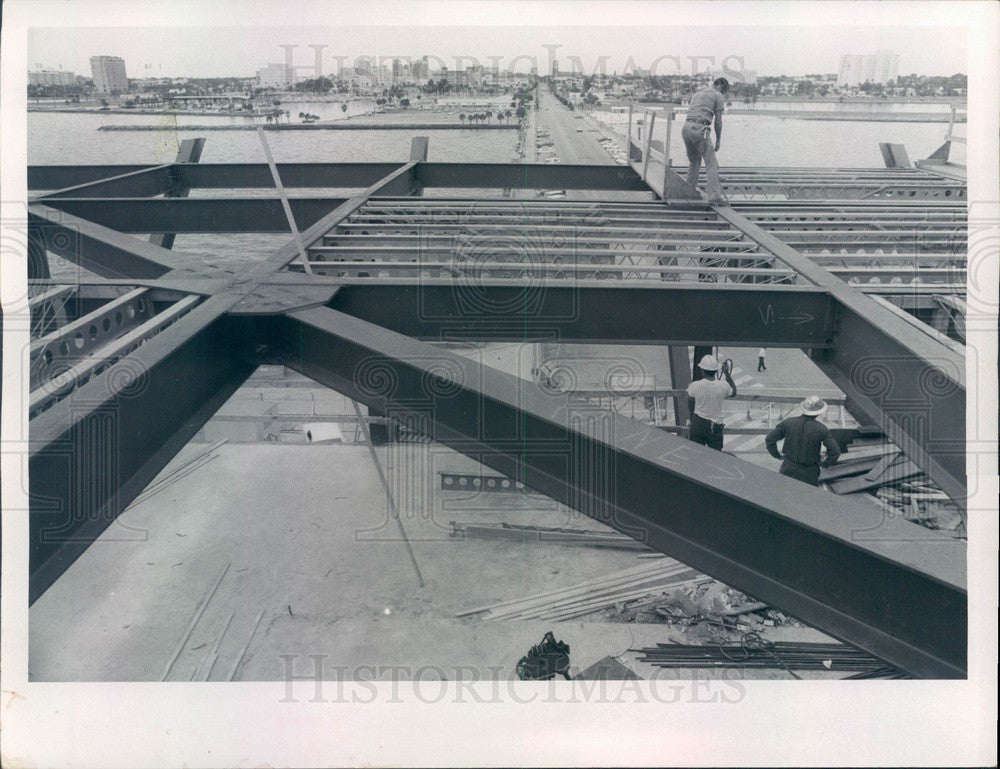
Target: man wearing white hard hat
705, 403
804, 438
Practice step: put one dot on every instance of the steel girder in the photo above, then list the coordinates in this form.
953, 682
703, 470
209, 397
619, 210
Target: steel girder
100, 249
595, 311
146, 183
529, 176
196, 215
841, 567
94, 452
57, 177
910, 385
293, 175
888, 586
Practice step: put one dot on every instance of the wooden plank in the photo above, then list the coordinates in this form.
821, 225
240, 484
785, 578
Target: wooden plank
884, 464
903, 469
840, 470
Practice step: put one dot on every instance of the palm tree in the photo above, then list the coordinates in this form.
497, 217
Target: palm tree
462, 117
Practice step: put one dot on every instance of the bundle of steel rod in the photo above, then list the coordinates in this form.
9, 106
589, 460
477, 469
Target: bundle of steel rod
781, 655
593, 595
179, 472
585, 537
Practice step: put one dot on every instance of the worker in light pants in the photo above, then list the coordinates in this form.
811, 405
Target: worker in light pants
705, 398
706, 107
804, 438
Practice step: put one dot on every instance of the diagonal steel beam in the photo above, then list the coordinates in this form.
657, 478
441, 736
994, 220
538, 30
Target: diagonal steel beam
95, 451
100, 249
911, 386
598, 311
888, 586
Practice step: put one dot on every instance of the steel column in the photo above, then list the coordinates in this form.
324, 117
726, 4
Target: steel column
188, 152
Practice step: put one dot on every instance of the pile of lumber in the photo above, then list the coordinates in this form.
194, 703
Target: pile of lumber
594, 595
885, 476
867, 467
924, 503
559, 536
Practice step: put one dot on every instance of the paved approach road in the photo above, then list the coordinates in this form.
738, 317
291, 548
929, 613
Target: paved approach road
574, 147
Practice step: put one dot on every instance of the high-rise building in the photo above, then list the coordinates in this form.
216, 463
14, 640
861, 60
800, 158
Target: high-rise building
276, 76
51, 77
109, 74
879, 67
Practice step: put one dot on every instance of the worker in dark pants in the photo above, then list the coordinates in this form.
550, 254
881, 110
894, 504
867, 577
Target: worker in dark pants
705, 398
761, 365
804, 438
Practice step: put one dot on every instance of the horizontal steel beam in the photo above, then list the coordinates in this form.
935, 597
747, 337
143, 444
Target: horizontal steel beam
293, 175
890, 587
100, 249
597, 311
136, 184
57, 177
95, 451
529, 176
196, 215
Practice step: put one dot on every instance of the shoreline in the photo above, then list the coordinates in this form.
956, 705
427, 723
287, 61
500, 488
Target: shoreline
342, 125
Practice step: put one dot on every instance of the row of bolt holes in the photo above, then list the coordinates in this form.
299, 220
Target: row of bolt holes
79, 340
476, 482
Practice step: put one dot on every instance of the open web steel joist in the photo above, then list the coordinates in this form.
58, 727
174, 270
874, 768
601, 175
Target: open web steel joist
115, 394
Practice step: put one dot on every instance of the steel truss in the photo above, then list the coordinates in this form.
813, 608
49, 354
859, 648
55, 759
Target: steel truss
390, 274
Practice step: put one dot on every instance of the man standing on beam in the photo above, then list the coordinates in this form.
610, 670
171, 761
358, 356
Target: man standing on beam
705, 402
706, 107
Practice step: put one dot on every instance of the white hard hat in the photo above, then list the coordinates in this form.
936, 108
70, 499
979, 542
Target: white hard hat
709, 363
813, 406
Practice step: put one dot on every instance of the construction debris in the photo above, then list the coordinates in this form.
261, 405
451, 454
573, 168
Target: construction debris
593, 595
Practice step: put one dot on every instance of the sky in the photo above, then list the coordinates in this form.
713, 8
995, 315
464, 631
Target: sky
241, 51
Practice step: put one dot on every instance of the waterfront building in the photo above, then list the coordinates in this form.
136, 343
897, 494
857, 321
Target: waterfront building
879, 67
109, 74
276, 76
51, 77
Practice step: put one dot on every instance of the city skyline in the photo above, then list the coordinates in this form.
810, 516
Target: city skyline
791, 51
